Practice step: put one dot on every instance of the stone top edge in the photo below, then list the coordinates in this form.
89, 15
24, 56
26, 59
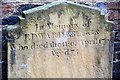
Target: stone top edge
47, 6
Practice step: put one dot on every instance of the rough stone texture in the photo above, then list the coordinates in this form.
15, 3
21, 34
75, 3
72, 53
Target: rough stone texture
0, 54
113, 5
0, 71
114, 17
61, 40
114, 14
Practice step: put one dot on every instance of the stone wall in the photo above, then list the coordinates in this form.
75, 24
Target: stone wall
114, 16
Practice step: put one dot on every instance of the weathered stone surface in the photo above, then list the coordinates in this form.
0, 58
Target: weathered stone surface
63, 40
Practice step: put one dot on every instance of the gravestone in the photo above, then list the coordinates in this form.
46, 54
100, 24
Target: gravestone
61, 40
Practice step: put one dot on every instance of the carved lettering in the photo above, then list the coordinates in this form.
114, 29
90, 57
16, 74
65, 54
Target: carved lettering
63, 32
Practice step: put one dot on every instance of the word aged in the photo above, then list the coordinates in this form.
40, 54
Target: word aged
58, 52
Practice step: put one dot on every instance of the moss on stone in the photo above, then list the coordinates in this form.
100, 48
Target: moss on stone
98, 61
107, 26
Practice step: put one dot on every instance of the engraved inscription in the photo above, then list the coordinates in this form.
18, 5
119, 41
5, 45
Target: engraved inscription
63, 32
